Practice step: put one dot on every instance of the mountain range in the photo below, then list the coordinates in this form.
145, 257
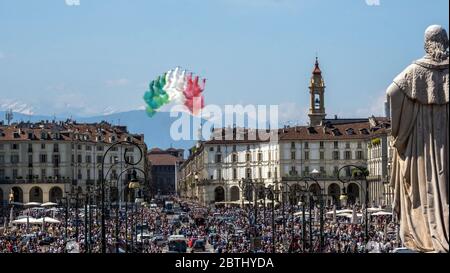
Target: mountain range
156, 129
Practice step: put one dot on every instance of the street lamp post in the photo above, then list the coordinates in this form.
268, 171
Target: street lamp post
67, 216
306, 181
86, 246
246, 183
363, 172
103, 180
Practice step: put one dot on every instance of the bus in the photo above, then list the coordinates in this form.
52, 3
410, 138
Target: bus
177, 244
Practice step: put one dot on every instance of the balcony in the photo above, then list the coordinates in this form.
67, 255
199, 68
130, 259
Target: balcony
62, 180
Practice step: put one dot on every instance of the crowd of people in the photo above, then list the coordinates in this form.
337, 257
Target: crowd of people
223, 229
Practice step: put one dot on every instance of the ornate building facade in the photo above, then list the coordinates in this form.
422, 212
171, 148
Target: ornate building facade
41, 162
216, 168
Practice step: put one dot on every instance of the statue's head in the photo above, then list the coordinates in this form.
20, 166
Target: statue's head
436, 43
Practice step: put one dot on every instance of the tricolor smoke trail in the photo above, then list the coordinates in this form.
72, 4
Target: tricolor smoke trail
175, 86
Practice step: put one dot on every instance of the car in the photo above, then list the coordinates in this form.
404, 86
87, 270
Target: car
199, 245
159, 240
46, 241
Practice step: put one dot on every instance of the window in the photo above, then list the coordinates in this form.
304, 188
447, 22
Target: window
276, 172
80, 175
306, 172
79, 159
43, 173
88, 159
55, 148
248, 157
56, 173
2, 159
335, 170
2, 174
1, 146
219, 174
306, 145
359, 145
321, 145
15, 173
359, 155
79, 147
99, 159
88, 173
14, 146
336, 145
248, 173
88, 148
322, 155
234, 173
129, 159
211, 149
99, 148
43, 146
260, 157
293, 156
269, 174
234, 158
30, 148
293, 171
323, 173
30, 173
56, 160
292, 145
234, 148
218, 158
306, 155
336, 155
14, 159
218, 149
348, 155
260, 172
347, 145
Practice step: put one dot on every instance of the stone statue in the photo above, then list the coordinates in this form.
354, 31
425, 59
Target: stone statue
419, 110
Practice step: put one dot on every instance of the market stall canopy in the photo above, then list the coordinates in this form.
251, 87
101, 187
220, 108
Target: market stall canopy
301, 213
382, 213
33, 204
25, 220
374, 209
48, 220
49, 204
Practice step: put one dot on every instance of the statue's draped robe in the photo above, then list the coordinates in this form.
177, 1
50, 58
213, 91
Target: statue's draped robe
419, 175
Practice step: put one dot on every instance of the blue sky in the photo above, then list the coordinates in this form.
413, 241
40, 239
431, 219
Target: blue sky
99, 57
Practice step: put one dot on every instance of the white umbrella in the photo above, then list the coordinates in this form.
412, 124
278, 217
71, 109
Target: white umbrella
344, 211
48, 220
24, 220
381, 213
301, 213
33, 204
49, 204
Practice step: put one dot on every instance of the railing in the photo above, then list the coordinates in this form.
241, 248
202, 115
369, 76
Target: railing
35, 181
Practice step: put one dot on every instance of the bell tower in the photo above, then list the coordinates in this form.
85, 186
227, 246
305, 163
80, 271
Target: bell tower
317, 102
